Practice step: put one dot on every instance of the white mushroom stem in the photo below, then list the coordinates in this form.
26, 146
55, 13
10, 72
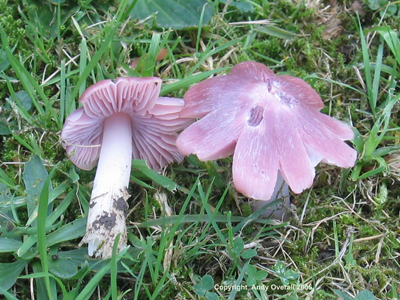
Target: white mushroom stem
108, 204
281, 210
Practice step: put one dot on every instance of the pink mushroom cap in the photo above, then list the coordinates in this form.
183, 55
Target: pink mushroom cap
155, 121
269, 123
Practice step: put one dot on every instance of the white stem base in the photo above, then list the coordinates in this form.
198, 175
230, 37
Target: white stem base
108, 203
280, 211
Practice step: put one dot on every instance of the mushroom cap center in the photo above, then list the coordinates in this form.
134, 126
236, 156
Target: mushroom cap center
270, 94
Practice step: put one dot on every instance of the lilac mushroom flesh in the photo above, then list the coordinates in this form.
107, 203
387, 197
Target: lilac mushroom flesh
271, 124
119, 120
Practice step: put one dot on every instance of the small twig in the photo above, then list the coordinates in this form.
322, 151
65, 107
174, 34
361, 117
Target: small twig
378, 251
369, 238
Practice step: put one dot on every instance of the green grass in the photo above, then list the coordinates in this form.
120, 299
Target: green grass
191, 235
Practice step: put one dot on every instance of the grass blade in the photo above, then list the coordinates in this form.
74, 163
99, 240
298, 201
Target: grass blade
188, 81
41, 226
367, 70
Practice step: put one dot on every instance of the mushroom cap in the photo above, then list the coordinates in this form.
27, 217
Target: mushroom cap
154, 120
270, 123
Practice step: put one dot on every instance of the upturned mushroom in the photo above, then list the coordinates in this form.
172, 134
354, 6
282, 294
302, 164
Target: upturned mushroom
271, 124
119, 120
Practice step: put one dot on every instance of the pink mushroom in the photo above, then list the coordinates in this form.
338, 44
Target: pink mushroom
271, 124
119, 120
